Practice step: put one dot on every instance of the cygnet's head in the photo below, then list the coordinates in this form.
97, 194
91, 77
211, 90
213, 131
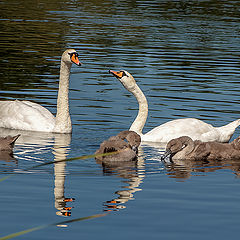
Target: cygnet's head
174, 146
132, 138
71, 56
177, 144
125, 78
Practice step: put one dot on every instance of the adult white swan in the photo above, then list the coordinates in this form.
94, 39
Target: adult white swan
26, 115
192, 127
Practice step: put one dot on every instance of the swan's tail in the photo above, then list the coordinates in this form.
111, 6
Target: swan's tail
228, 130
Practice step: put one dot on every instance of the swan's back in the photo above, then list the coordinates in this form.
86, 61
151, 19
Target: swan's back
192, 127
25, 115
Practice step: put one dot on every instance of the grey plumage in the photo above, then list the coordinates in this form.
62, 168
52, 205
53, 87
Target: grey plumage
7, 143
185, 148
126, 150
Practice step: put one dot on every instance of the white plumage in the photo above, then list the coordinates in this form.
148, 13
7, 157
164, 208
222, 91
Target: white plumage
26, 115
192, 127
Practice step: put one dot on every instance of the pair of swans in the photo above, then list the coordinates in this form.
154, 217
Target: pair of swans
26, 115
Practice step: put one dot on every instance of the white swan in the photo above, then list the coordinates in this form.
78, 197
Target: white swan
26, 115
192, 127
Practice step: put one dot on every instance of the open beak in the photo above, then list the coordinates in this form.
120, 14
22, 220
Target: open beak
167, 156
116, 74
74, 59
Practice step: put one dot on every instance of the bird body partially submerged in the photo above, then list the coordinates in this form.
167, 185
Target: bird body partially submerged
7, 143
184, 148
117, 149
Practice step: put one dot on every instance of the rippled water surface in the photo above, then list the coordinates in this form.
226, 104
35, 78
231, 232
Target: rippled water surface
185, 57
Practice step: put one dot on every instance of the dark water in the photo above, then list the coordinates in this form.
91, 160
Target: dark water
184, 56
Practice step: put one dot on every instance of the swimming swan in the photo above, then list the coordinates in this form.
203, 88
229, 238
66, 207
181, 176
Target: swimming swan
26, 115
192, 127
184, 148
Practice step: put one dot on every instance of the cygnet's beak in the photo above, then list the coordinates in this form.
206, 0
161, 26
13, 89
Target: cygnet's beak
167, 156
116, 74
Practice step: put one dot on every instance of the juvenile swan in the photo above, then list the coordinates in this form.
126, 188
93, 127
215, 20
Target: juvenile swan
127, 150
192, 127
7, 143
184, 148
26, 115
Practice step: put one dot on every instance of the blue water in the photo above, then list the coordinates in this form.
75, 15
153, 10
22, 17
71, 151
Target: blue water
185, 57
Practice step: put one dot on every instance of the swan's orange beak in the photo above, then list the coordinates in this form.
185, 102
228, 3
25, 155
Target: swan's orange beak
74, 59
116, 74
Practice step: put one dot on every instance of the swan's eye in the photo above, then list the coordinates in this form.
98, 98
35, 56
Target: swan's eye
73, 54
124, 74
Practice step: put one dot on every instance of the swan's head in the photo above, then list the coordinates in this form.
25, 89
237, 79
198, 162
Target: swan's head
125, 78
71, 56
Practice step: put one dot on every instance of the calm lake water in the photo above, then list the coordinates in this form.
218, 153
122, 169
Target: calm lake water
185, 57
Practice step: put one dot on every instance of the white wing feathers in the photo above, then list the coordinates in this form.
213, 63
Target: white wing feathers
25, 115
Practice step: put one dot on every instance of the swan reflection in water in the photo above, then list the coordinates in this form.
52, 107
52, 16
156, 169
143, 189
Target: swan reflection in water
132, 173
31, 146
29, 143
60, 151
25, 146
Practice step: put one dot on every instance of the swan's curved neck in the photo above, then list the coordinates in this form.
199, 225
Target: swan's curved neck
139, 122
63, 121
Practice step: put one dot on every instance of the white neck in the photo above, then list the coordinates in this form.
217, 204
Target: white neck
139, 122
63, 121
